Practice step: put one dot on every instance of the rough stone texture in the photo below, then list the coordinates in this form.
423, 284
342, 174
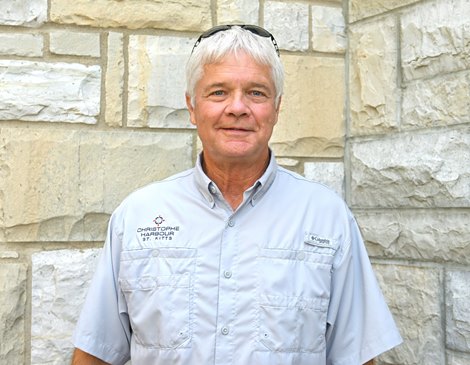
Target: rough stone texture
414, 296
9, 255
74, 43
416, 170
114, 80
374, 93
61, 185
177, 15
359, 9
238, 11
57, 277
26, 13
18, 44
311, 117
328, 29
157, 81
12, 311
49, 92
287, 162
288, 22
439, 101
329, 173
435, 38
420, 235
455, 358
457, 310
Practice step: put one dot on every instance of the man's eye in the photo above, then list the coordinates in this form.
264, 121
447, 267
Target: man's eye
218, 93
257, 93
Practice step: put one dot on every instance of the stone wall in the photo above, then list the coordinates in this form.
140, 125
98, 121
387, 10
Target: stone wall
376, 105
408, 166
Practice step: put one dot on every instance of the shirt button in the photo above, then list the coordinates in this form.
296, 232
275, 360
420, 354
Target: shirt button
155, 253
227, 274
224, 331
301, 256
212, 189
231, 223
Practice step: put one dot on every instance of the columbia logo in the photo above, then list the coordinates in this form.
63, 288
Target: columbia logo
315, 240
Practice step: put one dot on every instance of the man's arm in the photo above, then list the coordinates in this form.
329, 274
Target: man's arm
83, 358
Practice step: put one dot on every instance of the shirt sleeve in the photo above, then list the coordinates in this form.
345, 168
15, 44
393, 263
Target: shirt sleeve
103, 329
360, 325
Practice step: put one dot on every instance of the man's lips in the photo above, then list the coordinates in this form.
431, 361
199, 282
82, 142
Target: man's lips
235, 132
235, 129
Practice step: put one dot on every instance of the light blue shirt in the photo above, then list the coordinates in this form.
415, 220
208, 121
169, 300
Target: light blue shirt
185, 280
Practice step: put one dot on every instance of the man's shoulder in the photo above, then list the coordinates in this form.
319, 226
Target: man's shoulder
298, 184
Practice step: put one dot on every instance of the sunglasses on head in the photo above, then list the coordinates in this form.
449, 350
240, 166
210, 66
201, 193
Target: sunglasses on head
252, 28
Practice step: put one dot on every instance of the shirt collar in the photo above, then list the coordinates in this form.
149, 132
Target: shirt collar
209, 189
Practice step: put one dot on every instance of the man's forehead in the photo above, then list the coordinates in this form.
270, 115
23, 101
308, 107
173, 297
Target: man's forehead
236, 68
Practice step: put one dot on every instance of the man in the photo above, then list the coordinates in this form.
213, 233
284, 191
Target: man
237, 261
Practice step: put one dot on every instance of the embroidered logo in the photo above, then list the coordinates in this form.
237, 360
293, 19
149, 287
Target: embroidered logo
158, 231
159, 220
315, 240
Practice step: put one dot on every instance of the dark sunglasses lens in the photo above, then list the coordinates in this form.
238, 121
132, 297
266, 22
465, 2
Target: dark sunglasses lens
257, 30
214, 30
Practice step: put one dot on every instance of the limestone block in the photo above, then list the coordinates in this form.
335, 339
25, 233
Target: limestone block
157, 81
9, 255
329, 173
12, 312
374, 93
413, 295
437, 102
114, 80
359, 9
75, 43
25, 13
328, 29
456, 358
287, 162
61, 185
415, 170
442, 235
188, 15
49, 92
290, 164
311, 116
288, 22
457, 310
18, 44
435, 38
59, 286
238, 11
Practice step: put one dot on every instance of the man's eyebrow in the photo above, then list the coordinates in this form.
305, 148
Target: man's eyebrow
259, 85
215, 84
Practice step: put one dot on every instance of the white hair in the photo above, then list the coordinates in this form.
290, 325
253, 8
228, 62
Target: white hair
232, 41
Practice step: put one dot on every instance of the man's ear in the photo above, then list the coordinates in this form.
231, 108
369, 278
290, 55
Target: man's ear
191, 109
278, 108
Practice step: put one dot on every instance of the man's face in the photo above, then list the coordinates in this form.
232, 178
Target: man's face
234, 110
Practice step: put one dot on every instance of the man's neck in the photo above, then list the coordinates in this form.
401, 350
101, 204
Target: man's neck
233, 179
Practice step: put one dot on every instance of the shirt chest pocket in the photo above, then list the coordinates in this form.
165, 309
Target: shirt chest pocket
294, 291
156, 284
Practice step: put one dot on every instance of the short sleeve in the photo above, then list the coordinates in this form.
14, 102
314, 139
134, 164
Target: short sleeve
360, 325
103, 328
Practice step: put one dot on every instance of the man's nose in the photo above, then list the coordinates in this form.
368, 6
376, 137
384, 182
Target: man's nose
237, 105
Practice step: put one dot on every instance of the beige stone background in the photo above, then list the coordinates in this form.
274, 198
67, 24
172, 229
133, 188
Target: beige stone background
376, 105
